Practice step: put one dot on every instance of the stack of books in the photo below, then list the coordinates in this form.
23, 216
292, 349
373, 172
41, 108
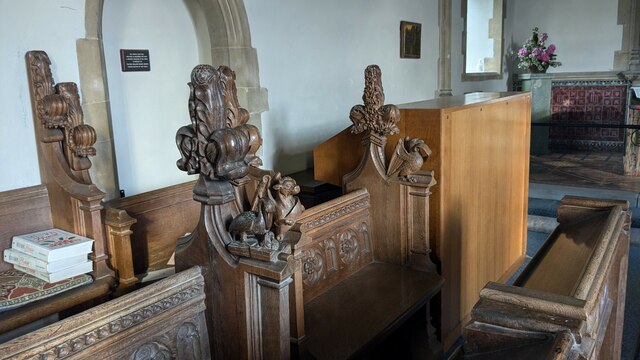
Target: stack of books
51, 255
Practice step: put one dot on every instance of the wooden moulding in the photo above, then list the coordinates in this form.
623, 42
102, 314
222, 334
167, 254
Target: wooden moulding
165, 319
575, 285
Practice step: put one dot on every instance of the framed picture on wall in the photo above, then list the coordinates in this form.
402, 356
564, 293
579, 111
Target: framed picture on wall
410, 35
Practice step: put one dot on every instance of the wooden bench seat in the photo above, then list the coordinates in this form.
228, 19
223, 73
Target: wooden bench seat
571, 294
364, 308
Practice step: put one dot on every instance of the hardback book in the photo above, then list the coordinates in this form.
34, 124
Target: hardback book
63, 274
52, 245
13, 256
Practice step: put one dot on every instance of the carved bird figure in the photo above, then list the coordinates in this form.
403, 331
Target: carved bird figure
408, 157
248, 224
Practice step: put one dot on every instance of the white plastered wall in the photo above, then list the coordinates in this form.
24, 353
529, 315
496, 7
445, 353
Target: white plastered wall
54, 28
312, 58
148, 107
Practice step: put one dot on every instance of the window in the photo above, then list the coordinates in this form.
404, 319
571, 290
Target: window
482, 39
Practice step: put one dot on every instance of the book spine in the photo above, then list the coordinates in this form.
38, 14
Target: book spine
40, 275
15, 258
28, 247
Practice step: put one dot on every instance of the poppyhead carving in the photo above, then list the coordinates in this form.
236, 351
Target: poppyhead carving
374, 116
219, 144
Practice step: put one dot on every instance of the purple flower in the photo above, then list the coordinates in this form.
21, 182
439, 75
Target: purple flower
543, 37
523, 52
551, 49
536, 52
544, 57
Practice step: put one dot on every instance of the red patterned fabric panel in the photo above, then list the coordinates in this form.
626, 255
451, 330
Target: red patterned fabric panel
18, 288
588, 104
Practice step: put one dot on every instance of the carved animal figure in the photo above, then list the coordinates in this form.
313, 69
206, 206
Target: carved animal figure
408, 158
288, 207
248, 224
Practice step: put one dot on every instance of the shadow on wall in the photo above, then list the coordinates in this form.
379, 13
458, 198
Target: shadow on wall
511, 64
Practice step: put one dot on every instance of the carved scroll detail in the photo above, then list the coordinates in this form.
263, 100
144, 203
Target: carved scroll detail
58, 109
374, 116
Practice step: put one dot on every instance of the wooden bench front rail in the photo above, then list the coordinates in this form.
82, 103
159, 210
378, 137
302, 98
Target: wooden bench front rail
568, 303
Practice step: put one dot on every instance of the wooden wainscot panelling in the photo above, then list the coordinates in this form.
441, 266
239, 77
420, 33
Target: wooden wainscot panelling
568, 303
478, 206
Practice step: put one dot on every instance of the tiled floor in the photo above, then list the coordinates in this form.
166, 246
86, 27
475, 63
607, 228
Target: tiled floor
593, 170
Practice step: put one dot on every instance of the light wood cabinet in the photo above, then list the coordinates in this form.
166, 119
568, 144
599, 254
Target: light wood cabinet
478, 209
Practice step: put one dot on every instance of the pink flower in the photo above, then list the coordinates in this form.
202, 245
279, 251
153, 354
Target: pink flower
536, 52
543, 37
523, 52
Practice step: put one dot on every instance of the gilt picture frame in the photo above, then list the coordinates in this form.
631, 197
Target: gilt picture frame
410, 37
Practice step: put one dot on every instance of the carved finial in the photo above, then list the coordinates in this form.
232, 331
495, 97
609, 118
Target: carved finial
58, 109
219, 144
374, 116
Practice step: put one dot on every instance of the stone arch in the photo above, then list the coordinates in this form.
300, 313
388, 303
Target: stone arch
230, 43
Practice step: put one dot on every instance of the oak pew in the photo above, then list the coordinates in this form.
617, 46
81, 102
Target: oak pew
66, 199
480, 161
363, 265
568, 302
164, 320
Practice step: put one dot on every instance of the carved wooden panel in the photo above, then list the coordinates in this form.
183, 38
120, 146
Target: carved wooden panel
334, 243
162, 321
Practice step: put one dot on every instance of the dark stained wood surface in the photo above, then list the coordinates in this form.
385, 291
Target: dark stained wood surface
365, 307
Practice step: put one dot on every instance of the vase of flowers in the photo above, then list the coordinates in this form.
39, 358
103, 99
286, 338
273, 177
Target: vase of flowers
534, 56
